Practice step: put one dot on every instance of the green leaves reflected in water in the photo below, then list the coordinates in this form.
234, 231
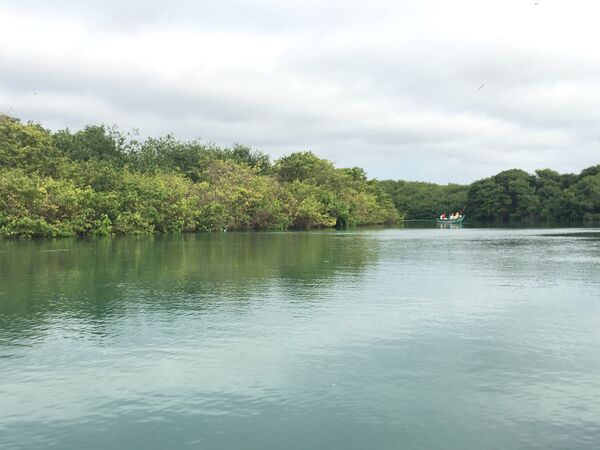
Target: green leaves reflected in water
98, 277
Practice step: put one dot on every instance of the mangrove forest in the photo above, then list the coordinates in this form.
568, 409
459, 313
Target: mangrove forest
100, 181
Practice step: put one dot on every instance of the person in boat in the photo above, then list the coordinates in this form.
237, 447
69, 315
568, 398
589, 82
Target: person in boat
443, 216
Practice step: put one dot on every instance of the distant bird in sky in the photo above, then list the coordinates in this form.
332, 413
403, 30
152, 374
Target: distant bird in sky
481, 86
35, 93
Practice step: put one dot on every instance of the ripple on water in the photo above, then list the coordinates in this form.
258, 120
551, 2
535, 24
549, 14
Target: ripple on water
414, 338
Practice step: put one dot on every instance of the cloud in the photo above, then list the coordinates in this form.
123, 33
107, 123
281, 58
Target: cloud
394, 87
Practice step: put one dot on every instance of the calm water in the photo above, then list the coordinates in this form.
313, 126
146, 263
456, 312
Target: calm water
385, 339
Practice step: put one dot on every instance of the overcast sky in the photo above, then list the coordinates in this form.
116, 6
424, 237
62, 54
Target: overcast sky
444, 91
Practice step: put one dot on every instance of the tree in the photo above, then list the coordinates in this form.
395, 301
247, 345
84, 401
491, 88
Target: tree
93, 142
27, 146
304, 166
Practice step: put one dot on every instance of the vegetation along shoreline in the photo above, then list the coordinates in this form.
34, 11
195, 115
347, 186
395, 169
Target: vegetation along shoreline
96, 182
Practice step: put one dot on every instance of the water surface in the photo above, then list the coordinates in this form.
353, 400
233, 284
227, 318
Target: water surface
381, 339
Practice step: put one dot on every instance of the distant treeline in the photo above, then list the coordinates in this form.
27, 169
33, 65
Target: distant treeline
511, 195
98, 181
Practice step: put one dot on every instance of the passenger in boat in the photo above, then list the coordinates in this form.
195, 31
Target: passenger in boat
443, 216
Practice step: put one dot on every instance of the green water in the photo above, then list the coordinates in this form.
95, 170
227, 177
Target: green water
381, 339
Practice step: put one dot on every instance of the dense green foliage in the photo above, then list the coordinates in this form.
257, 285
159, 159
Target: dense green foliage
546, 195
99, 182
511, 195
425, 200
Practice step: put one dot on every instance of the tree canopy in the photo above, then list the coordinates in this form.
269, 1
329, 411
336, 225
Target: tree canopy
98, 181
509, 196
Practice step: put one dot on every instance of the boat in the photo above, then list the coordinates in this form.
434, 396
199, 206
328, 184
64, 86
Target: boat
450, 221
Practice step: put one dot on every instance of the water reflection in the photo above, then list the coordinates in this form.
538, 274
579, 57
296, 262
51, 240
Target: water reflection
420, 338
450, 226
100, 278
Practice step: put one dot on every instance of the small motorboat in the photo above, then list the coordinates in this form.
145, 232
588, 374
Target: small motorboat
455, 221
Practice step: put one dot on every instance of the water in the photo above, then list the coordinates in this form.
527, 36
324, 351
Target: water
380, 339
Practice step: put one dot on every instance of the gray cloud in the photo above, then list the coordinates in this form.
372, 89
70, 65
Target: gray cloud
390, 86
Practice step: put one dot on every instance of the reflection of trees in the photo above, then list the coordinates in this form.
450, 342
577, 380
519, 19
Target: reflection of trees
96, 278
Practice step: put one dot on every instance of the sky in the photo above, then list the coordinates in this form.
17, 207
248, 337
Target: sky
440, 91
